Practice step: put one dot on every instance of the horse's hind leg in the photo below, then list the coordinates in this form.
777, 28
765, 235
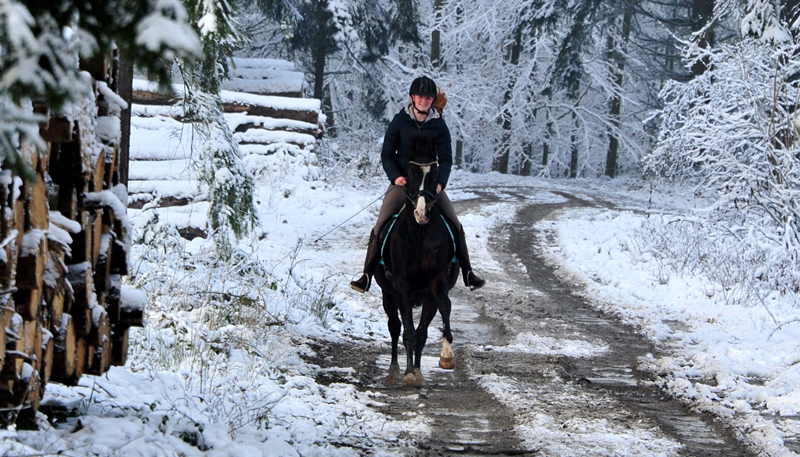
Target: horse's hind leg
390, 307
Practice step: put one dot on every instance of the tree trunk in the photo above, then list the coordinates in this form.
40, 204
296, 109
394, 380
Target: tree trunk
616, 56
126, 92
573, 160
318, 56
501, 162
546, 142
702, 12
436, 43
459, 140
320, 48
527, 160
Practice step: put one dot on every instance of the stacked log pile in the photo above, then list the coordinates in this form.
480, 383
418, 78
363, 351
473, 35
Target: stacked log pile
267, 113
265, 77
65, 241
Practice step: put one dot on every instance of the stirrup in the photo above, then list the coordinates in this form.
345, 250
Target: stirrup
361, 284
473, 281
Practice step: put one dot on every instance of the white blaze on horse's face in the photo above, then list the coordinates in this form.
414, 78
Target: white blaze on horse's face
420, 211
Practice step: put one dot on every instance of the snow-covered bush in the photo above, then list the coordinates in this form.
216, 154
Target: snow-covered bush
229, 183
696, 248
731, 132
351, 158
222, 323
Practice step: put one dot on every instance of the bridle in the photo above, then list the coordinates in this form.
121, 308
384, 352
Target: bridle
430, 197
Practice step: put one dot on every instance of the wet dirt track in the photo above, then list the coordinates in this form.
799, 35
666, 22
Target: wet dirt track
504, 399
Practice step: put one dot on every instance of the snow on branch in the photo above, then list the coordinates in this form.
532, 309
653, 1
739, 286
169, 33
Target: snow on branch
731, 131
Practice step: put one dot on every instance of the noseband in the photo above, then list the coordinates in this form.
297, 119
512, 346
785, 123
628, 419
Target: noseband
430, 197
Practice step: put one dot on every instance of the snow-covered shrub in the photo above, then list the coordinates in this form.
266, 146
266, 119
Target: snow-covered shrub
225, 324
229, 182
218, 322
729, 267
731, 132
203, 302
676, 246
352, 157
277, 163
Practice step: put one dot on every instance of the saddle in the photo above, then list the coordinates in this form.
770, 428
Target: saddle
383, 236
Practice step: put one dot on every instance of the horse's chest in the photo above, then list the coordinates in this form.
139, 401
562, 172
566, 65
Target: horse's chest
420, 252
425, 258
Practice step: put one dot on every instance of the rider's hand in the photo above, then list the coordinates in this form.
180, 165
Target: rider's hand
438, 188
400, 181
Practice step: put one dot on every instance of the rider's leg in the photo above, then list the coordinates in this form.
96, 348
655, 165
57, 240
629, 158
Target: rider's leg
471, 280
392, 202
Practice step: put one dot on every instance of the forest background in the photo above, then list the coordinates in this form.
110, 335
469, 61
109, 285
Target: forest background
697, 92
702, 92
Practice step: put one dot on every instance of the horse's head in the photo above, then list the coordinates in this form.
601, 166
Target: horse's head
423, 177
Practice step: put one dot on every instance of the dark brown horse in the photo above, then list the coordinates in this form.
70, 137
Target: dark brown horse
419, 268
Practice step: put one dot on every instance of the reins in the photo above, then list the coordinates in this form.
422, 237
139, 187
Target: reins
354, 215
433, 197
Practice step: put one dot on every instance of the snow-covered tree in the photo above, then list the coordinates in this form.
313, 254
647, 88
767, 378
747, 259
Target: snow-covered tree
530, 83
41, 44
732, 131
338, 42
230, 185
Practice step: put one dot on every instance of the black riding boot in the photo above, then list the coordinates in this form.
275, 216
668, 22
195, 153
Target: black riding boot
370, 263
471, 280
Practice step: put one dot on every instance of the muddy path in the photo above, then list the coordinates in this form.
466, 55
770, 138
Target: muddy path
539, 370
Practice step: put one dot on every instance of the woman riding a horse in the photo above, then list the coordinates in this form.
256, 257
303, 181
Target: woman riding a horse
417, 125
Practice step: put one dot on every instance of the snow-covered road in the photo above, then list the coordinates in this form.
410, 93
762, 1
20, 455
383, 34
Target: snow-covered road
539, 370
298, 369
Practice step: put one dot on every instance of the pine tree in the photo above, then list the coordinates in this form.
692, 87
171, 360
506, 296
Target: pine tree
230, 184
41, 43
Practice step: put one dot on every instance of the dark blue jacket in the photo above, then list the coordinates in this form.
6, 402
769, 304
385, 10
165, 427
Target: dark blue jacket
400, 139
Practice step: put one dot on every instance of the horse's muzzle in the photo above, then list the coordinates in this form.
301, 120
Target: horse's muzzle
422, 206
421, 216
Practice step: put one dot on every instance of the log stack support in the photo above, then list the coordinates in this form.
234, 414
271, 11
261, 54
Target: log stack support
64, 243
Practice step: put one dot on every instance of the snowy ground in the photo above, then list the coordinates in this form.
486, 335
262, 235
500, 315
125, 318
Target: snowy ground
206, 379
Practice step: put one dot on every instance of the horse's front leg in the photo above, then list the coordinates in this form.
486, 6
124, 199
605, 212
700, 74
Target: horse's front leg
441, 292
406, 307
421, 336
390, 307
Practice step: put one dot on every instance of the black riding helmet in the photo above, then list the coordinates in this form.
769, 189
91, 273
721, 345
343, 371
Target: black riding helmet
423, 86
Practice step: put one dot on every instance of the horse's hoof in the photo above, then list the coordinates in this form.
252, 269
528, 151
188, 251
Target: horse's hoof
419, 381
447, 363
409, 380
394, 374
